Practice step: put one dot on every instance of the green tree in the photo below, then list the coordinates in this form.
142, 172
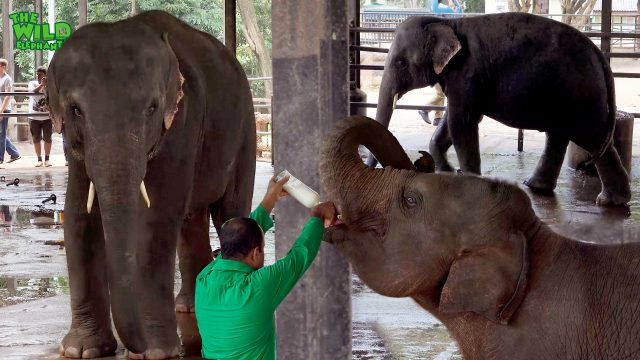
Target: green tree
204, 15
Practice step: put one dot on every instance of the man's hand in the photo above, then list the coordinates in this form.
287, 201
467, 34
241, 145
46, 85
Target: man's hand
326, 212
274, 193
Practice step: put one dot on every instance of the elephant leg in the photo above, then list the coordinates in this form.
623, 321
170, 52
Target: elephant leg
90, 334
463, 129
156, 254
439, 144
546, 174
194, 253
614, 178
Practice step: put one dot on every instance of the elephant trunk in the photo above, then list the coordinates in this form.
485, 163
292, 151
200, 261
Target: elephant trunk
386, 104
362, 194
117, 178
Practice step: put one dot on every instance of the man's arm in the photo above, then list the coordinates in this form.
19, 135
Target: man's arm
274, 193
278, 279
7, 99
262, 217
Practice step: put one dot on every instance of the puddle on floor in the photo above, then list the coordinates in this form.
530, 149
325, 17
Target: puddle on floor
18, 290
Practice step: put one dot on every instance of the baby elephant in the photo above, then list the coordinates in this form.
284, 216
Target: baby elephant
522, 70
472, 252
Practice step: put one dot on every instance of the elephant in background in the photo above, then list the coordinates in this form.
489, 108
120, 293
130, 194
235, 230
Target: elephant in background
522, 70
160, 124
472, 252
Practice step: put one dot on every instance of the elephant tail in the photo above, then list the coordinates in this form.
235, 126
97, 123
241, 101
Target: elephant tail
611, 102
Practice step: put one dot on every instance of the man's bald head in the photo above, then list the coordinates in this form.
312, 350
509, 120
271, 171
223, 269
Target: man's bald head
238, 236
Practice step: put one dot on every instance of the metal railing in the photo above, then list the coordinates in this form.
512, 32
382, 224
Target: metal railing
264, 137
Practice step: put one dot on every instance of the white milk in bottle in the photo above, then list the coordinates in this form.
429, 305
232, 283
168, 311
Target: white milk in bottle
299, 190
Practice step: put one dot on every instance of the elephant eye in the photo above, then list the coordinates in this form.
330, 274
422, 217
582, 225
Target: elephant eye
151, 109
410, 201
401, 62
76, 110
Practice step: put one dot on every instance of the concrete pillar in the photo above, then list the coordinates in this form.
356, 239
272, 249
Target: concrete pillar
230, 24
7, 39
82, 12
622, 140
310, 87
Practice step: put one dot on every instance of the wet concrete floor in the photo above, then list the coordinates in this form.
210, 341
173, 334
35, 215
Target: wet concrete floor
34, 301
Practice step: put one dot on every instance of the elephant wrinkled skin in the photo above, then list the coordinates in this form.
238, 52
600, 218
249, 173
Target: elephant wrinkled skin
149, 105
473, 253
522, 70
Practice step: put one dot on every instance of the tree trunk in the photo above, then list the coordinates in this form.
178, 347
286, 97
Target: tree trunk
519, 5
256, 40
540, 7
133, 7
576, 12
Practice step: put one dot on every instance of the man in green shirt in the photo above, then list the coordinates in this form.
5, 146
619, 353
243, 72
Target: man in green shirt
236, 295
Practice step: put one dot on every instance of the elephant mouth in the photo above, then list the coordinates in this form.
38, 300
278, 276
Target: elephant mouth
336, 234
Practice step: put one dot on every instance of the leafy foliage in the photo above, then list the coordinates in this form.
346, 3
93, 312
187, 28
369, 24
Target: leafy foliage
204, 15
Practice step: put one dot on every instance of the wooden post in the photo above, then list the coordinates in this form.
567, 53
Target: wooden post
82, 12
605, 42
230, 24
38, 53
7, 38
310, 72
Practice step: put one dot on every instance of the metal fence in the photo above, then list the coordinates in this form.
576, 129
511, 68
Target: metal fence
262, 108
389, 19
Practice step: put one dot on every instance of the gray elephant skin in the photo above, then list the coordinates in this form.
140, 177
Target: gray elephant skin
130, 119
472, 252
522, 70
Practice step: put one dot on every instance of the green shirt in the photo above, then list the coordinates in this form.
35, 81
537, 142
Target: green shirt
235, 304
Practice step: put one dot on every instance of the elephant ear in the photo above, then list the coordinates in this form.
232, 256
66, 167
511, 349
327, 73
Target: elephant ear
425, 163
445, 47
52, 102
174, 86
488, 281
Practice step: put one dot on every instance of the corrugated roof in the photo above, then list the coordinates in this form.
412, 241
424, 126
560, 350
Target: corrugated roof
619, 5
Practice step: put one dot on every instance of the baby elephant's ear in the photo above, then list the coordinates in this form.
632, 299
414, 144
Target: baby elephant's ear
174, 86
445, 47
488, 281
425, 163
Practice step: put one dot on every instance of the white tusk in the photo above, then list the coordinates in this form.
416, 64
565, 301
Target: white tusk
395, 100
143, 191
90, 197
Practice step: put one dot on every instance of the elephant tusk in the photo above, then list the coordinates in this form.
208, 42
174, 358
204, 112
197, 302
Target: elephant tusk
395, 100
90, 197
143, 191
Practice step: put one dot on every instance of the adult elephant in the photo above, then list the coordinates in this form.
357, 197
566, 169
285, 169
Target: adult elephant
472, 252
149, 106
523, 70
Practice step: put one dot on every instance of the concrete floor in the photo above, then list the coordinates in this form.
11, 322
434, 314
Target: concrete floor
384, 328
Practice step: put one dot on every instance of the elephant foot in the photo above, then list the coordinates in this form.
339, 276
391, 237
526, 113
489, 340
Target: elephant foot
185, 303
77, 344
155, 354
607, 198
540, 186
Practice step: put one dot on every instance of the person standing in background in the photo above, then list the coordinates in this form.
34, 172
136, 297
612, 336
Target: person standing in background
6, 85
41, 126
